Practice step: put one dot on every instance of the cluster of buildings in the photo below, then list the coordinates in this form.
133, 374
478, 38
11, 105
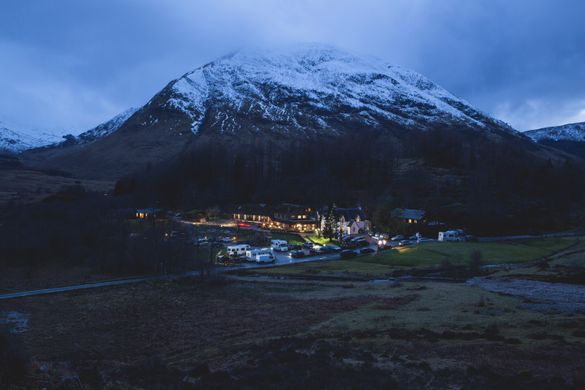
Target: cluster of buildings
304, 219
297, 218
286, 216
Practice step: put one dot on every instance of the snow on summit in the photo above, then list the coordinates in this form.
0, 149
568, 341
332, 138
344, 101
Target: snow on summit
309, 87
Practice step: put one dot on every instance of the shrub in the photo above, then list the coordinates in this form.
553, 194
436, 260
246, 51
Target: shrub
12, 361
475, 262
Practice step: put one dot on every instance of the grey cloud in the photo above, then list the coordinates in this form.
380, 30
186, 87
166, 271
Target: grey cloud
71, 64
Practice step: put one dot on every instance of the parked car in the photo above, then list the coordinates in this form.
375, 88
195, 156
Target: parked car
406, 242
330, 249
294, 247
222, 258
347, 254
308, 245
367, 251
297, 254
279, 246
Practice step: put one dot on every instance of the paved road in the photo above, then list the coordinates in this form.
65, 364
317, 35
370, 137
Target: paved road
76, 287
281, 259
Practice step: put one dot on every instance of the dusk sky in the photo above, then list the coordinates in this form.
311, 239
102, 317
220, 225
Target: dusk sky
67, 65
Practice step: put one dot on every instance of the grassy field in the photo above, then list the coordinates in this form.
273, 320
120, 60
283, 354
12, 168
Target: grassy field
433, 255
311, 334
315, 238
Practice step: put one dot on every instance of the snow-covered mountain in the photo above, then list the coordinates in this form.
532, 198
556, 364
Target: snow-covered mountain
310, 89
278, 97
105, 128
16, 141
574, 132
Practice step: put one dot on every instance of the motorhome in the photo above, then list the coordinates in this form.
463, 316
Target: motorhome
237, 250
452, 235
279, 245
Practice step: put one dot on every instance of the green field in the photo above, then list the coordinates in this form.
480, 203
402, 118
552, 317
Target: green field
315, 238
432, 255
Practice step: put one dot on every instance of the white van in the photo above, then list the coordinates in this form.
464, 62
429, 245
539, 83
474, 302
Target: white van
279, 245
237, 250
265, 257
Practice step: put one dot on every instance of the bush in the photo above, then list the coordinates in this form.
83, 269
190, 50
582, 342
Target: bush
475, 262
12, 361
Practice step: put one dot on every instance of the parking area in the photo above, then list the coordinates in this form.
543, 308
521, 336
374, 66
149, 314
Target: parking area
285, 258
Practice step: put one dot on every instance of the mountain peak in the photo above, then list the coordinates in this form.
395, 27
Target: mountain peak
310, 89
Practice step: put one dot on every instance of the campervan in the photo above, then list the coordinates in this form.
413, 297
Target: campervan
237, 250
251, 254
279, 245
452, 235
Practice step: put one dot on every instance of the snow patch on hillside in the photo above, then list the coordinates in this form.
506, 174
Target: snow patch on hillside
571, 132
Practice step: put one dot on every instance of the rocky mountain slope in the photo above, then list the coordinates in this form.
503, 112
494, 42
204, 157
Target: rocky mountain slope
574, 132
285, 95
312, 89
106, 128
569, 138
16, 141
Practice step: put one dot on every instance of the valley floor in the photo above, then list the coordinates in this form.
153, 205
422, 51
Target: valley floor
261, 330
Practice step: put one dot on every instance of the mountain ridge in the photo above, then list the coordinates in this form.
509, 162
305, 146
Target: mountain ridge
568, 132
285, 95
